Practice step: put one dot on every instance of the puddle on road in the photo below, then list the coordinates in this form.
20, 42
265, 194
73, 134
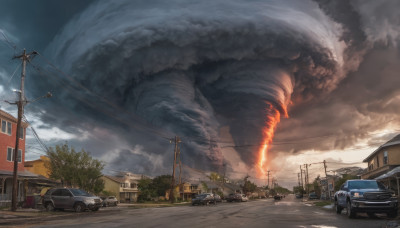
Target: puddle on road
286, 203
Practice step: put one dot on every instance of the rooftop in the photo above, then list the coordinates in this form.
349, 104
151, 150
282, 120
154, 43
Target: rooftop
9, 117
394, 141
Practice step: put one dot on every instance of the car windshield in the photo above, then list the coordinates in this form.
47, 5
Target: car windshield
202, 196
365, 185
79, 192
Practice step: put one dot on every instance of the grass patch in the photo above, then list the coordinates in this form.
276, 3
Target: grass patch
322, 203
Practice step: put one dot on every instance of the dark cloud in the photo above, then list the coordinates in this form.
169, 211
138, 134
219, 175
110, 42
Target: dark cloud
157, 69
364, 102
197, 68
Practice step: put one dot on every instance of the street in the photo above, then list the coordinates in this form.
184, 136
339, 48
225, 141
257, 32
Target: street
289, 212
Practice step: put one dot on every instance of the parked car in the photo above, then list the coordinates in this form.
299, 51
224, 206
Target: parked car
365, 196
217, 198
277, 197
204, 199
70, 198
236, 197
312, 196
243, 198
109, 201
299, 196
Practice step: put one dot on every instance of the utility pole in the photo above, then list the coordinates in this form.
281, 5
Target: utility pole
223, 178
327, 184
301, 174
180, 172
298, 178
268, 177
20, 103
306, 176
171, 195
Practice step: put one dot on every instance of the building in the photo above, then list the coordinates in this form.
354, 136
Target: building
30, 185
188, 190
383, 159
38, 166
124, 186
8, 134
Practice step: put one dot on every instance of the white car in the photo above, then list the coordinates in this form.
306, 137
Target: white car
109, 201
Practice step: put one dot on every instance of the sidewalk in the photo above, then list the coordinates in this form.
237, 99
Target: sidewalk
26, 215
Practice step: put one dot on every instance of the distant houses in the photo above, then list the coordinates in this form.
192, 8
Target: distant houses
124, 186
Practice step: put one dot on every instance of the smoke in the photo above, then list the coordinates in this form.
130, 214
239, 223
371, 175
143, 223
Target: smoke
197, 68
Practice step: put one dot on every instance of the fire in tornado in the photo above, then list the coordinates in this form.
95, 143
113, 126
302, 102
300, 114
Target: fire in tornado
272, 121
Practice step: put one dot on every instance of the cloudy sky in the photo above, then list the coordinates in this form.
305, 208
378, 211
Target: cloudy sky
248, 86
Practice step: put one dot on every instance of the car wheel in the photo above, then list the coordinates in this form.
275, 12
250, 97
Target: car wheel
350, 212
115, 204
50, 207
392, 214
79, 207
96, 209
338, 208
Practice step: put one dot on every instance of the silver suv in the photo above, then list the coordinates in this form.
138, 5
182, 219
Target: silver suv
70, 198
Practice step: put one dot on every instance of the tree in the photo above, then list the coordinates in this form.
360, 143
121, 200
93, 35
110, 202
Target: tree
281, 190
75, 169
161, 184
248, 186
146, 189
299, 190
154, 187
341, 181
215, 177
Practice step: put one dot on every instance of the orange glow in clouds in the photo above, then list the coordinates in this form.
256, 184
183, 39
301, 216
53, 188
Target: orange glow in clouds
272, 121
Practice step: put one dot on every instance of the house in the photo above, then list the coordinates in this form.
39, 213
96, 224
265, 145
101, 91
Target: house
124, 186
8, 134
38, 166
383, 159
29, 184
188, 190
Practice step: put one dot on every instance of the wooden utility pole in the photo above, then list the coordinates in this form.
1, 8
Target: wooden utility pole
171, 195
301, 174
327, 184
20, 103
268, 177
306, 177
298, 178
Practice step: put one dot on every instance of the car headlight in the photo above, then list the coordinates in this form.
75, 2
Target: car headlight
357, 195
88, 201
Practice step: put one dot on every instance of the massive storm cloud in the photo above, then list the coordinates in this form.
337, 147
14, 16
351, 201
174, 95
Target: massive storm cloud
215, 73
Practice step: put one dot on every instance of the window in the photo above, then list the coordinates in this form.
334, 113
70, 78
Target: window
57, 192
6, 127
65, 192
385, 157
3, 126
21, 133
10, 154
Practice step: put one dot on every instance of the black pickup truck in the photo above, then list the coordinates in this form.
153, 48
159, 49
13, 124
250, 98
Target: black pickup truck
367, 196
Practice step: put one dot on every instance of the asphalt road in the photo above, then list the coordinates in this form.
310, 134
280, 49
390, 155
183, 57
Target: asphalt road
289, 212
